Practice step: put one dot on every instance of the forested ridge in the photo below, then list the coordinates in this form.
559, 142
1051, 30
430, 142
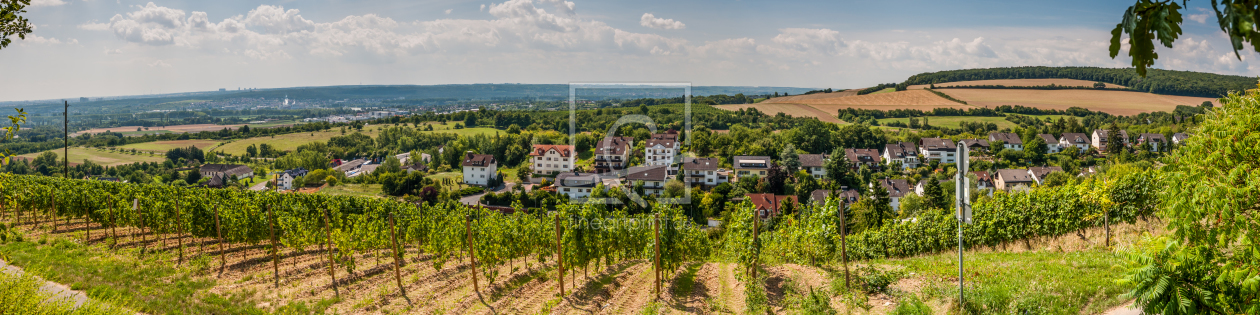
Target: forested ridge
1171, 82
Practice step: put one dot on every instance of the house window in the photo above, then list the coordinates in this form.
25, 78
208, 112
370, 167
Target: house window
763, 172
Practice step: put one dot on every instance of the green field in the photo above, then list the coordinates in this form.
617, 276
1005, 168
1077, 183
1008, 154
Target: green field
953, 121
1054, 282
356, 190
101, 156
289, 142
163, 146
888, 90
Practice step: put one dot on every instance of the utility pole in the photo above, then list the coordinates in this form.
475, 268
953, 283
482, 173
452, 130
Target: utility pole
65, 168
962, 203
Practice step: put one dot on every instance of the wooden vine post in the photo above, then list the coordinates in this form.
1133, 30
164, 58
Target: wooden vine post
844, 247
559, 255
87, 222
393, 236
113, 221
219, 231
332, 273
656, 248
52, 198
143, 239
472, 257
756, 232
1107, 227
275, 259
179, 229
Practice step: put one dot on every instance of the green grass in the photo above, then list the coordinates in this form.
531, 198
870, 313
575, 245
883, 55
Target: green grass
955, 121
151, 285
287, 142
1043, 282
163, 146
103, 157
357, 190
888, 90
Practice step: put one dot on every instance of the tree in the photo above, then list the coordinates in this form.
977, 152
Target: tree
934, 195
1035, 149
1148, 20
805, 186
1115, 144
522, 173
1208, 197
837, 167
1206, 104
11, 21
193, 176
790, 160
251, 151
391, 165
1057, 179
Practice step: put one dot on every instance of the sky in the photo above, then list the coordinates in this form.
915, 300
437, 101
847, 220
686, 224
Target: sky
95, 48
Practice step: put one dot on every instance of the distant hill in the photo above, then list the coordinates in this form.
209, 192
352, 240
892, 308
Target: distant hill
450, 92
1157, 81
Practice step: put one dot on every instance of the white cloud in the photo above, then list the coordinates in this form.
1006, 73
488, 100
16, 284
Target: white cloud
46, 3
1202, 16
94, 26
40, 40
159, 64
448, 11
483, 7
651, 21
112, 51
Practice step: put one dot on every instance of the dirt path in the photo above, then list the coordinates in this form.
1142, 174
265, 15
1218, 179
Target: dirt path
58, 291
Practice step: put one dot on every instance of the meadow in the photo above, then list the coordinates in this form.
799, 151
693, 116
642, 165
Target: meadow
1113, 102
163, 146
100, 156
954, 121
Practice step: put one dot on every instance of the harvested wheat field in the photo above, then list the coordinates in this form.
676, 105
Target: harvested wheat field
1113, 102
799, 98
794, 110
1019, 82
175, 129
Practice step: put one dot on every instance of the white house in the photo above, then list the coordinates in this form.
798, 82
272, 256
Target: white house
286, 181
613, 153
1100, 138
942, 150
226, 170
547, 158
896, 188
653, 178
660, 149
703, 171
904, 152
813, 164
1052, 144
1010, 141
1179, 137
1156, 140
1080, 140
479, 169
576, 185
1039, 173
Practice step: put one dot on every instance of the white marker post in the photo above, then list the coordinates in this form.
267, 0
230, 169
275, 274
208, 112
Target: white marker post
962, 202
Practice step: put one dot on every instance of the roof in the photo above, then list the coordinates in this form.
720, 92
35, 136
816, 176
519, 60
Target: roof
614, 145
896, 187
226, 169
348, 166
668, 140
769, 201
700, 164
1048, 138
973, 143
1075, 138
368, 169
472, 159
868, 156
1102, 134
1041, 172
848, 195
752, 161
542, 149
813, 160
297, 172
1180, 136
648, 173
1005, 137
983, 176
1015, 176
1152, 137
574, 179
937, 144
900, 150
416, 167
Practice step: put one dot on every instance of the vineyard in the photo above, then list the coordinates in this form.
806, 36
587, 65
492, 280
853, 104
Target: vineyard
374, 255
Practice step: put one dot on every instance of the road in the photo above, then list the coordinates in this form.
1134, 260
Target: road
260, 186
474, 199
58, 290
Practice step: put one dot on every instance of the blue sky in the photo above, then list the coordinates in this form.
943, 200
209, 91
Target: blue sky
115, 47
